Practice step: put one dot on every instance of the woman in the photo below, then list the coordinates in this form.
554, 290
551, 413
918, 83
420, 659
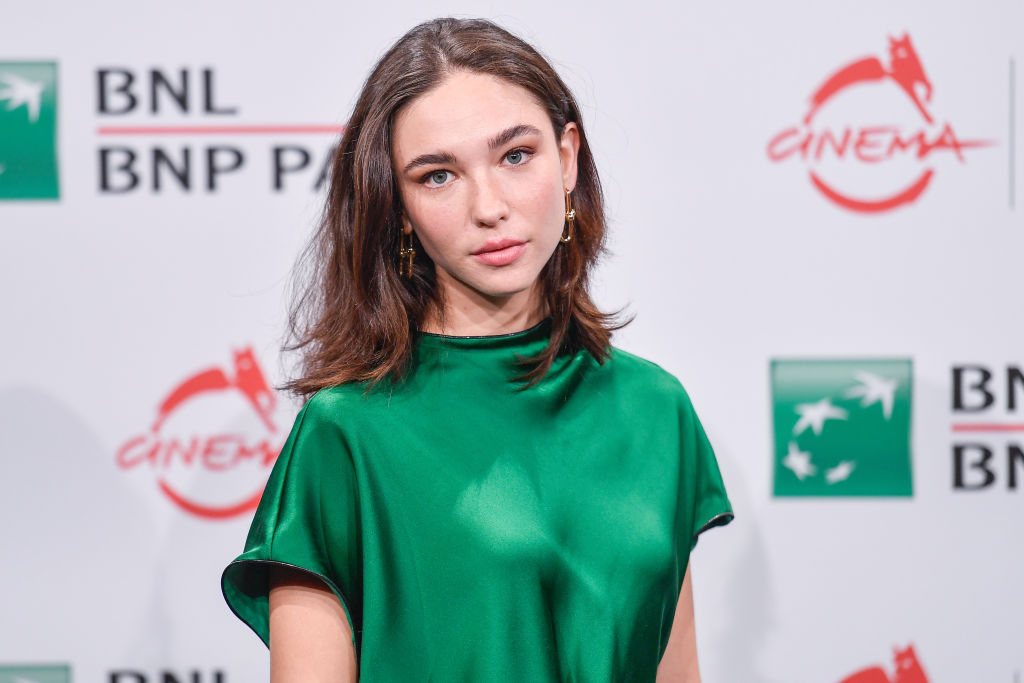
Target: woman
479, 486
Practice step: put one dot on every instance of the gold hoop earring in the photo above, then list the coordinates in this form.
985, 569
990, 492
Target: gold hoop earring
406, 254
570, 217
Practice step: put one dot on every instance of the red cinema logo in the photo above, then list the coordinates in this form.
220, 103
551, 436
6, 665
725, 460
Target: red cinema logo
908, 670
881, 165
212, 441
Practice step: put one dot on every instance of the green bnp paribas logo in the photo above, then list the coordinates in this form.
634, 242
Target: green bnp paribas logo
46, 673
842, 427
28, 130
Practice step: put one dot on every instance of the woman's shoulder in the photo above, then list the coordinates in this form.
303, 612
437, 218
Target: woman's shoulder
644, 374
329, 404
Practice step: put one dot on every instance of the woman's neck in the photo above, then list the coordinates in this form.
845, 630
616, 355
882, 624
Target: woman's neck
470, 316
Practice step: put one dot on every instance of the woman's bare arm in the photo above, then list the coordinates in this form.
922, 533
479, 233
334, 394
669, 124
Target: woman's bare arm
310, 639
679, 663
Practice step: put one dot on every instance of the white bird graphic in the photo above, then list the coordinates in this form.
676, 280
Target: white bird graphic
799, 462
874, 389
840, 472
21, 92
813, 415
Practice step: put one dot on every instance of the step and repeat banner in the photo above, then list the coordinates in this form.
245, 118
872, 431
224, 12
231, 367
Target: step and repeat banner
816, 214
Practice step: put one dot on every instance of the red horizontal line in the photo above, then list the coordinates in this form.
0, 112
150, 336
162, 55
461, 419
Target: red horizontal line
217, 130
981, 427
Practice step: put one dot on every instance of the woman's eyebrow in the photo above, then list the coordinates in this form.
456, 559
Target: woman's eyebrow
428, 159
503, 138
511, 133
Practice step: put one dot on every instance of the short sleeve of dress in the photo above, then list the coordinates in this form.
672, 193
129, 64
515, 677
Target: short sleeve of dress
703, 501
307, 519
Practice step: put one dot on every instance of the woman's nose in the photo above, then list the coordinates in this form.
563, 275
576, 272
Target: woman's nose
489, 203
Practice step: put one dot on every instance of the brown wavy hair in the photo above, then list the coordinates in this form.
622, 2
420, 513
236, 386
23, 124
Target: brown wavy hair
356, 318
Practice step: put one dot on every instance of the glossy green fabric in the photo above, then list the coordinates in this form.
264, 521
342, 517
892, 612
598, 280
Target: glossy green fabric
478, 533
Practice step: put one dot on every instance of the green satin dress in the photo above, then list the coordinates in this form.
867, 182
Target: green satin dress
477, 533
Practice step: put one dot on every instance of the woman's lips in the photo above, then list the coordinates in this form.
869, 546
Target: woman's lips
501, 257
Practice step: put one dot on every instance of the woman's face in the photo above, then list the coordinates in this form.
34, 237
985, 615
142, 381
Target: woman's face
482, 183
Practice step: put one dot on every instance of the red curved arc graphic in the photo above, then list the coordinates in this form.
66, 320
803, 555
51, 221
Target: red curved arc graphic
871, 206
210, 511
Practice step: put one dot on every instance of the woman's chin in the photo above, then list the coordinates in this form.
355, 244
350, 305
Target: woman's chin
505, 286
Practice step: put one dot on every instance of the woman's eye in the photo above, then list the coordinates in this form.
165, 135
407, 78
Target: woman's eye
516, 156
437, 177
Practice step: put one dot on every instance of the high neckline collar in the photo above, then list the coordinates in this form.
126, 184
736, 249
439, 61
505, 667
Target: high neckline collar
511, 340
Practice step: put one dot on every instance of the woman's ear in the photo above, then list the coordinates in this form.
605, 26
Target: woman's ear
406, 224
568, 150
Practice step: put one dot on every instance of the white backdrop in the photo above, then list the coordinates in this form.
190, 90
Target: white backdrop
112, 300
